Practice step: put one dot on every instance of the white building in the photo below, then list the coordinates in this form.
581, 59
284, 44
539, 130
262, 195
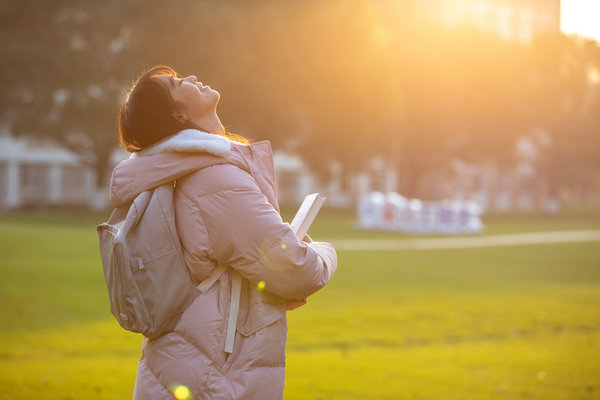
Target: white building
41, 175
36, 173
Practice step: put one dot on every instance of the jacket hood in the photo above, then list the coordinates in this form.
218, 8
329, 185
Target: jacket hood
177, 156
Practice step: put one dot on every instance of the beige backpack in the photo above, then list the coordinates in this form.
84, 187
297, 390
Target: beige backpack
149, 285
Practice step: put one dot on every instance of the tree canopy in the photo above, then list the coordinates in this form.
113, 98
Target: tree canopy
333, 80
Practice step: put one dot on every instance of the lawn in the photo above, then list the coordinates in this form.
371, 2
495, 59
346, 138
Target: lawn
485, 323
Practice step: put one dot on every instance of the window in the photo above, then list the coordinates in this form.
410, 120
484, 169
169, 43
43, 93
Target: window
34, 183
288, 183
73, 180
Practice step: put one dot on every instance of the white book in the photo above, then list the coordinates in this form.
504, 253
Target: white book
306, 214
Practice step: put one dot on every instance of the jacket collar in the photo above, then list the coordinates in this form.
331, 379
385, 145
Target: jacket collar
189, 141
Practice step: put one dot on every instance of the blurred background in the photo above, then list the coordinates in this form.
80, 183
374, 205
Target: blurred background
491, 102
486, 100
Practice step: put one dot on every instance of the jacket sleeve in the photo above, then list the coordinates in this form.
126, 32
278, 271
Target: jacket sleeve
247, 233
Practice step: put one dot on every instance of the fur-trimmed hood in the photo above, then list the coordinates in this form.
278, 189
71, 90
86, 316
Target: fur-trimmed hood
189, 141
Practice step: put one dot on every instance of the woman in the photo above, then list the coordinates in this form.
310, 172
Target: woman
226, 215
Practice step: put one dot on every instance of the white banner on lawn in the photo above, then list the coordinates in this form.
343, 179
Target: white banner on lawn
394, 212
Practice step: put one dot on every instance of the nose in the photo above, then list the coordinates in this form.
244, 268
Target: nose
191, 78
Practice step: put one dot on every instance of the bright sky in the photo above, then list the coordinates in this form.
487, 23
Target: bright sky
581, 17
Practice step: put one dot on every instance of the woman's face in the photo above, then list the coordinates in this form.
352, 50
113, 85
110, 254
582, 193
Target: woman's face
197, 100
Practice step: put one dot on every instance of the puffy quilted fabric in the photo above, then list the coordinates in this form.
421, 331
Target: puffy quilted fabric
226, 213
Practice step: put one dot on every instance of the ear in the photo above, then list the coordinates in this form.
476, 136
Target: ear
180, 116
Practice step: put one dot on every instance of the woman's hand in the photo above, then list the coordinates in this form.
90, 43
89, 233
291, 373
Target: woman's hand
292, 304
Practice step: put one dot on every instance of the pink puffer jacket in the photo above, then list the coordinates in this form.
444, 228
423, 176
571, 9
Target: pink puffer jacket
226, 214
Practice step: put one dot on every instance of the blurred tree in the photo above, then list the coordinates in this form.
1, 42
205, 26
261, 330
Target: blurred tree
564, 99
463, 93
334, 80
356, 81
62, 76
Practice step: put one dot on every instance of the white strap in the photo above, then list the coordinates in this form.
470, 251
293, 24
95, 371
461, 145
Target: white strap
212, 278
234, 308
234, 305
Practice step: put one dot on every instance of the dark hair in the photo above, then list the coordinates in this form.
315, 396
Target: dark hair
147, 114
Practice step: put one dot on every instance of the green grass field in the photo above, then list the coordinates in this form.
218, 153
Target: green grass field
484, 323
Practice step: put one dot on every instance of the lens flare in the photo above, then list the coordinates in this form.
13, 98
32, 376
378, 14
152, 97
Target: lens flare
181, 392
261, 285
284, 246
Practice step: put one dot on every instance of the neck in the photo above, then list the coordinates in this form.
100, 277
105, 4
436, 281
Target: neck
211, 123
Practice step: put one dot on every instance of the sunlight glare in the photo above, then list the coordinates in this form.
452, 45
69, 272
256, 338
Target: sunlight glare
580, 17
181, 392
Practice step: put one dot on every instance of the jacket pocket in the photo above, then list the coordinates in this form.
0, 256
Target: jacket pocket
264, 309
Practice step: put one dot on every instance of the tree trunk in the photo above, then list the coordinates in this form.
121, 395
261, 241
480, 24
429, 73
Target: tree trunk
101, 166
